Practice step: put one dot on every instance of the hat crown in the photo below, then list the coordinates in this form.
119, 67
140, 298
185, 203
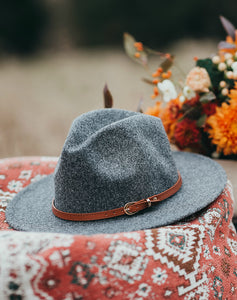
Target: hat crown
112, 157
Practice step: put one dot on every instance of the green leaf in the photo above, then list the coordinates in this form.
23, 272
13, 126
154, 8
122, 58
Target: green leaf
130, 49
108, 99
230, 83
181, 119
207, 97
201, 121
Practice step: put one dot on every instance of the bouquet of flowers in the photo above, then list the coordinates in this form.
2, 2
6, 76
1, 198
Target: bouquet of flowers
200, 113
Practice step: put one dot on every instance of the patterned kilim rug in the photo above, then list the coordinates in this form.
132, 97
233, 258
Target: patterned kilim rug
195, 259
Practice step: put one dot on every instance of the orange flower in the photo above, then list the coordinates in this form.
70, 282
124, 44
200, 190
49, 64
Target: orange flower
223, 126
155, 110
198, 80
169, 116
187, 134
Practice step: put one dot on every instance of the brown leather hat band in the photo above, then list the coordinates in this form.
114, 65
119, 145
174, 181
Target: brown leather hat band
129, 208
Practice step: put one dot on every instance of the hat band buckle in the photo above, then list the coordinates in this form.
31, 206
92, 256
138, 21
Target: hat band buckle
129, 208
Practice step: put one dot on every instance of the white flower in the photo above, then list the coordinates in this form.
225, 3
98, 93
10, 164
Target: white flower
229, 74
229, 62
216, 59
168, 90
14, 185
222, 66
181, 98
234, 66
188, 92
228, 56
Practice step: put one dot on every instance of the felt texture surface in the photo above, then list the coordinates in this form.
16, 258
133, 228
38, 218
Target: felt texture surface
203, 181
111, 157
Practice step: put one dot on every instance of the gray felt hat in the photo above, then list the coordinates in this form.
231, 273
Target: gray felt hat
112, 157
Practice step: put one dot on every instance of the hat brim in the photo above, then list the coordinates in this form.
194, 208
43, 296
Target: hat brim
203, 181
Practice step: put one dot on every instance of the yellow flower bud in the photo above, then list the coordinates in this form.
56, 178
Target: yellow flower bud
229, 75
221, 66
229, 62
225, 92
228, 56
222, 84
216, 59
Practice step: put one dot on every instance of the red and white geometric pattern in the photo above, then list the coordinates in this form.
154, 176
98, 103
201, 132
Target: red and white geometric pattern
195, 259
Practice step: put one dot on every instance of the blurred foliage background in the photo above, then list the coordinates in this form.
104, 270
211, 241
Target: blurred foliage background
154, 22
56, 56
30, 25
22, 25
